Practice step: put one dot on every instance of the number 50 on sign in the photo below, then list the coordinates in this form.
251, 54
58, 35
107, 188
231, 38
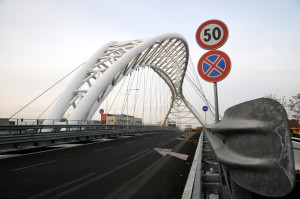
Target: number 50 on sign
212, 34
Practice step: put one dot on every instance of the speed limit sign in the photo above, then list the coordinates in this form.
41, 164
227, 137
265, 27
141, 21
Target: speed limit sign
212, 34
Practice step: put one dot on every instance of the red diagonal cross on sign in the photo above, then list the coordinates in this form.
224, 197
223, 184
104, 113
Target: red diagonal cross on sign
214, 65
223, 73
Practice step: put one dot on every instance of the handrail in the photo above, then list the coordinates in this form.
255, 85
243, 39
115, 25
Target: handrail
65, 127
22, 136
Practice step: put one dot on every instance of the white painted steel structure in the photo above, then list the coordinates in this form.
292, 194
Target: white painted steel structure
166, 54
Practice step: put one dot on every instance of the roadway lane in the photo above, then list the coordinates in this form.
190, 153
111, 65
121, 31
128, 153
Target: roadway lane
115, 169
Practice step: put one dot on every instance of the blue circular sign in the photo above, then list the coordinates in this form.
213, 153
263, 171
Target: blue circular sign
204, 108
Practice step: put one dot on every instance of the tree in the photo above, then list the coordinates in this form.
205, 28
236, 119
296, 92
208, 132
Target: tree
293, 123
294, 106
282, 101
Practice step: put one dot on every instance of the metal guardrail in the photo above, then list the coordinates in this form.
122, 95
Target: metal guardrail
295, 139
250, 150
210, 179
24, 136
197, 187
253, 142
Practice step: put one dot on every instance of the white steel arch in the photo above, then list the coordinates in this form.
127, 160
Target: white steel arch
166, 54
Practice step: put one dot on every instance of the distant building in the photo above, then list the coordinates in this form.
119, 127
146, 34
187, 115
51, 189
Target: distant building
110, 119
294, 127
103, 118
4, 121
294, 123
171, 123
295, 131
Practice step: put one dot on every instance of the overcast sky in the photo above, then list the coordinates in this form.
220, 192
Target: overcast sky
42, 40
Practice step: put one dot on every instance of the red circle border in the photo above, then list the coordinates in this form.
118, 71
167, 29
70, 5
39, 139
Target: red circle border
223, 75
217, 45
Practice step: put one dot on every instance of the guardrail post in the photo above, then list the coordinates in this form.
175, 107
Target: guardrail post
253, 141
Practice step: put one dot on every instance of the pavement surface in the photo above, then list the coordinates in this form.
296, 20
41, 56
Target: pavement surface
145, 166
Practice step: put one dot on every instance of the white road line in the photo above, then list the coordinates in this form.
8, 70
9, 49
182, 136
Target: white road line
85, 183
66, 145
131, 142
164, 143
35, 165
8, 156
104, 149
135, 155
61, 186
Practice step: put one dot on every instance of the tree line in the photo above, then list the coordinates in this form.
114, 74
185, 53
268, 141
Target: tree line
292, 107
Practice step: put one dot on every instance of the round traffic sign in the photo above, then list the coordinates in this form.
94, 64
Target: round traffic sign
101, 111
205, 108
214, 66
212, 34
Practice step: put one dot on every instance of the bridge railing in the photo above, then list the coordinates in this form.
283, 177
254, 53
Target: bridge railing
24, 136
61, 128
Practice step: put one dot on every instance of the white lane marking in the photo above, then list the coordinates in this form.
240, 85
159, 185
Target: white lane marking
8, 156
179, 155
65, 145
169, 151
125, 136
164, 143
82, 184
61, 186
35, 165
135, 155
102, 140
104, 149
163, 152
131, 142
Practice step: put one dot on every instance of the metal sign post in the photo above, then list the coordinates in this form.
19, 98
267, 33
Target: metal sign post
205, 108
216, 102
214, 65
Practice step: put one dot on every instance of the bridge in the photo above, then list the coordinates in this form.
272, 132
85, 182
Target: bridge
154, 80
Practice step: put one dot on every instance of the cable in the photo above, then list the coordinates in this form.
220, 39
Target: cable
116, 96
49, 106
46, 91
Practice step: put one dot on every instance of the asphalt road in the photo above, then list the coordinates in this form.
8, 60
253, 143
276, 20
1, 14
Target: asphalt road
133, 167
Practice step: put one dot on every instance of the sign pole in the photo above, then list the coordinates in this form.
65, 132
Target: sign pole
214, 65
205, 121
205, 108
216, 103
